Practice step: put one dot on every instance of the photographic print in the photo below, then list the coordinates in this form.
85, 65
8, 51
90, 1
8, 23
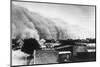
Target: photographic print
52, 33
